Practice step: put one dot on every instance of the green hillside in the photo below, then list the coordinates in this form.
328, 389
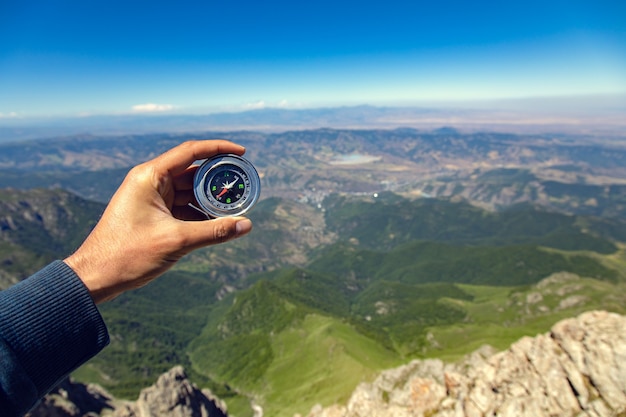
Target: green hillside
291, 339
390, 220
320, 358
421, 262
501, 315
150, 329
314, 302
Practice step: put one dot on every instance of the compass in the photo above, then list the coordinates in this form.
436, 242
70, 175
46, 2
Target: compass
226, 185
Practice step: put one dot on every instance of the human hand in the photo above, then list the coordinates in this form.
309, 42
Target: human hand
145, 229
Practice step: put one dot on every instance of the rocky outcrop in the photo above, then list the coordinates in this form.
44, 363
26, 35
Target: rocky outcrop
577, 369
74, 399
173, 395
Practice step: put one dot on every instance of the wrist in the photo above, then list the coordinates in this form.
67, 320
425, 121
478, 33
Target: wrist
91, 276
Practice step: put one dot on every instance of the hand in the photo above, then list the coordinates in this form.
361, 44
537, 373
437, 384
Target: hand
145, 229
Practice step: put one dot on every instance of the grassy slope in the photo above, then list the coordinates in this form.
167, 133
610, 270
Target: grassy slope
499, 316
293, 340
299, 337
150, 329
320, 360
320, 357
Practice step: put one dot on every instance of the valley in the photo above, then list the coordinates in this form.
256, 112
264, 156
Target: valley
572, 173
370, 248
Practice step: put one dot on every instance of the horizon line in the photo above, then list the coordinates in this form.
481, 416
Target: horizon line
577, 102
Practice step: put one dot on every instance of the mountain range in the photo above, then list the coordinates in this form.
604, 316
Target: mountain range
572, 173
350, 309
604, 115
371, 248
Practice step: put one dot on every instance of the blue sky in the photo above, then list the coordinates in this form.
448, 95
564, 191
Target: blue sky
65, 58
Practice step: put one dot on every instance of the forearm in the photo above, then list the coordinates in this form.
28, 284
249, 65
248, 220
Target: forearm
49, 325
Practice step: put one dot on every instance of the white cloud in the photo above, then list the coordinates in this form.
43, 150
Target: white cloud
256, 105
152, 107
263, 104
9, 115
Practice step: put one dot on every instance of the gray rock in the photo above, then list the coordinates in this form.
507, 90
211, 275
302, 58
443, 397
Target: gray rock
577, 369
74, 399
173, 395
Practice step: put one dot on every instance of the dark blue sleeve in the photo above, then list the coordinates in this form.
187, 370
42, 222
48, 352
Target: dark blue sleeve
49, 326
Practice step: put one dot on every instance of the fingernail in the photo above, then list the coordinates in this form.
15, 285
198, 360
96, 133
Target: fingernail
243, 226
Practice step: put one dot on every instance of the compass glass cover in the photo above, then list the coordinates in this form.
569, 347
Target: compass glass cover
226, 185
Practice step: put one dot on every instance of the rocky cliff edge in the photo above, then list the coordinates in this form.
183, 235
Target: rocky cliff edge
173, 395
577, 369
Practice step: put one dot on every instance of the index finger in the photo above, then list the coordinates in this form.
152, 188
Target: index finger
177, 160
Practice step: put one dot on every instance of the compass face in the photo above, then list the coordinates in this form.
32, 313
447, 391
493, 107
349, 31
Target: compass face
226, 185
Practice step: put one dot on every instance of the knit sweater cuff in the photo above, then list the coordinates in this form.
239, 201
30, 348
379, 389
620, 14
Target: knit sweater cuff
52, 324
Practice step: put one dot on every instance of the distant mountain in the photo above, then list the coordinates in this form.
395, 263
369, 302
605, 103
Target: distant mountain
574, 174
266, 119
605, 117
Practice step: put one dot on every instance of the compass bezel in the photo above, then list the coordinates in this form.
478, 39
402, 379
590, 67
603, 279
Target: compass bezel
208, 203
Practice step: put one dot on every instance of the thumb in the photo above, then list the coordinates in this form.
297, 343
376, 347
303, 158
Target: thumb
210, 232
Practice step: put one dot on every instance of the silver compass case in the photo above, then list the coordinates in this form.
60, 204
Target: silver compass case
226, 185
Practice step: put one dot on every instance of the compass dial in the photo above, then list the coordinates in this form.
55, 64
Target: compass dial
226, 185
